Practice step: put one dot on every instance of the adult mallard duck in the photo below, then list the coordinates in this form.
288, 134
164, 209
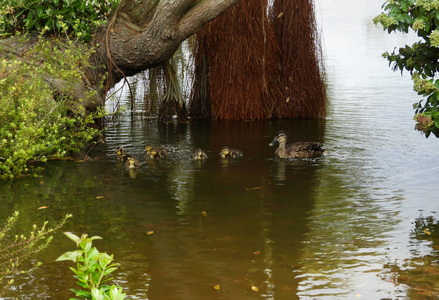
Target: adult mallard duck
199, 154
295, 150
230, 153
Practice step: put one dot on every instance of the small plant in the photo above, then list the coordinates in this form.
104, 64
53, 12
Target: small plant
12, 254
92, 268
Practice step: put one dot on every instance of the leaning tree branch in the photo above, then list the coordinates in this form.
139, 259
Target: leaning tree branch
200, 13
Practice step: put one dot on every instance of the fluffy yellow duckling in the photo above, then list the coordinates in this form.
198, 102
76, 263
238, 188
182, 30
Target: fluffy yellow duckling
159, 152
156, 152
230, 153
131, 162
199, 154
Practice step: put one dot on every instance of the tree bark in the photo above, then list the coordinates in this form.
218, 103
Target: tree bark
140, 34
146, 35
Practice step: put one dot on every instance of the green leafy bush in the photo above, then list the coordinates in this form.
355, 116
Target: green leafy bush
75, 17
19, 247
421, 58
92, 270
37, 123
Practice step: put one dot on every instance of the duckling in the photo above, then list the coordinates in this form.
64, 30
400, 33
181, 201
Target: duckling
295, 150
158, 152
130, 162
199, 154
120, 153
127, 159
230, 153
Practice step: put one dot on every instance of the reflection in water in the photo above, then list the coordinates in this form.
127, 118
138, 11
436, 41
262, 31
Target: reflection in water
419, 274
348, 238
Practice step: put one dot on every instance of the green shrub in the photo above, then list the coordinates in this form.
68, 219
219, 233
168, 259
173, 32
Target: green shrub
73, 17
37, 123
15, 250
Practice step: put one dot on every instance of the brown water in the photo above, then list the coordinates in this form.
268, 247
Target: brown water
348, 225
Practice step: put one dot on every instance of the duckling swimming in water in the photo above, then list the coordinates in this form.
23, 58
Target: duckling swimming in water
230, 153
120, 153
199, 154
130, 162
149, 147
295, 150
158, 152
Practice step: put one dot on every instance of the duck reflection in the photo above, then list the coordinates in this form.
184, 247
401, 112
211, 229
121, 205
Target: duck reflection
278, 171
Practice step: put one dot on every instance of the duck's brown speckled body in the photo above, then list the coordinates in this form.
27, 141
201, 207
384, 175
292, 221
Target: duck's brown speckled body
295, 150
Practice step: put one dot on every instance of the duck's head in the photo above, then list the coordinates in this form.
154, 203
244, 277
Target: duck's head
148, 148
131, 163
199, 154
224, 151
119, 152
280, 137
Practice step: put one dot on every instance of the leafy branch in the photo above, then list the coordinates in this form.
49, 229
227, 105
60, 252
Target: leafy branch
421, 58
92, 269
13, 254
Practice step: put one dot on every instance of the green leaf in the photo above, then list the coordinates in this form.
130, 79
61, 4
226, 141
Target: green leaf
72, 256
81, 293
73, 237
97, 294
109, 270
39, 10
49, 24
95, 238
404, 6
428, 71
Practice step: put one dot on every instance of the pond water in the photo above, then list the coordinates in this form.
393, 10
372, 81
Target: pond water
353, 224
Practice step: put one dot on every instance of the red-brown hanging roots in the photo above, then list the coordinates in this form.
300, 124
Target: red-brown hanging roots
238, 47
302, 91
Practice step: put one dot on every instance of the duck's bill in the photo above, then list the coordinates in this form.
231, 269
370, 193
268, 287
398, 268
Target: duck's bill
274, 142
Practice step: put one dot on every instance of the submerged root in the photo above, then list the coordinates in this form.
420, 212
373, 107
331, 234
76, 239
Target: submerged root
172, 102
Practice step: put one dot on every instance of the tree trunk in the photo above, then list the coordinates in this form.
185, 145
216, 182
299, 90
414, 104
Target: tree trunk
144, 34
140, 34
